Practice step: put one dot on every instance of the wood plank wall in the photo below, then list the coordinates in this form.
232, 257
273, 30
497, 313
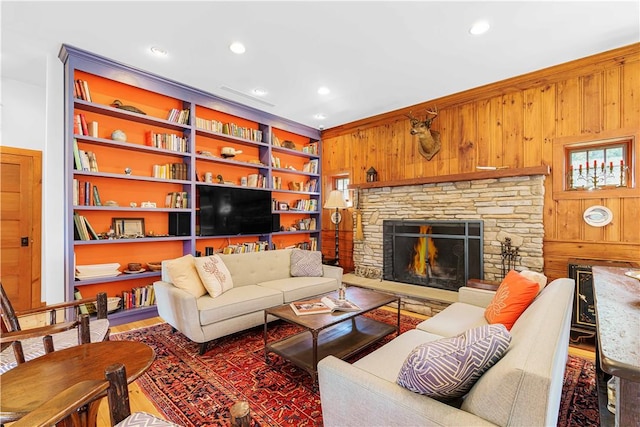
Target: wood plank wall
510, 123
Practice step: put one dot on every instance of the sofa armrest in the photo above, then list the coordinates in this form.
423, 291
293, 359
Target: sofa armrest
179, 309
354, 397
474, 296
332, 271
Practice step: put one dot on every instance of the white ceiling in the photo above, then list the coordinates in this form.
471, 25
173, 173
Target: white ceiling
375, 56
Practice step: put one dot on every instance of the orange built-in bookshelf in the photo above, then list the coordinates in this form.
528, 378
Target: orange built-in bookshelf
125, 171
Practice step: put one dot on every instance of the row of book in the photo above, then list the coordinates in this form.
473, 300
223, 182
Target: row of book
312, 166
256, 180
310, 186
84, 160
171, 171
311, 245
177, 199
82, 127
85, 194
81, 90
229, 129
82, 229
240, 248
168, 141
179, 116
306, 205
142, 296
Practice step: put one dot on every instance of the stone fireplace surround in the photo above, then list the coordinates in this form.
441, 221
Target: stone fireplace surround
509, 206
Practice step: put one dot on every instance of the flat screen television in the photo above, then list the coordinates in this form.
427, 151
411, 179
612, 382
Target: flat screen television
228, 211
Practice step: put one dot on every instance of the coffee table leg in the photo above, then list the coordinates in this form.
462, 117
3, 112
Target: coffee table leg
398, 325
266, 352
314, 335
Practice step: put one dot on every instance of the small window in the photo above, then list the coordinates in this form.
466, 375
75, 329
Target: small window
592, 166
342, 184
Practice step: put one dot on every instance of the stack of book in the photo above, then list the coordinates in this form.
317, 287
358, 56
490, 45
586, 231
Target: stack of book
139, 297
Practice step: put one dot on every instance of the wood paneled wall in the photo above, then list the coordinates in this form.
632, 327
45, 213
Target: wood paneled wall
513, 123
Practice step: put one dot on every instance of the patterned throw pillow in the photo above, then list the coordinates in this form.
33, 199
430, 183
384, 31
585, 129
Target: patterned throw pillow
447, 368
511, 299
183, 275
215, 276
306, 263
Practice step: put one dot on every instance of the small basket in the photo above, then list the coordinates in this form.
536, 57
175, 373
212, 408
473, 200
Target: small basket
154, 265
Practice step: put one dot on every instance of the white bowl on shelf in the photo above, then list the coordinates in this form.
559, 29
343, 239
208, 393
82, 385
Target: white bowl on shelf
113, 303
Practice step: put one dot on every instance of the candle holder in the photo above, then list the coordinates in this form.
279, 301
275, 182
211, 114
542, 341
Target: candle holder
593, 178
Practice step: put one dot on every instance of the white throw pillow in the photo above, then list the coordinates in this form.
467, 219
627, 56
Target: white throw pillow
214, 274
540, 278
306, 263
183, 274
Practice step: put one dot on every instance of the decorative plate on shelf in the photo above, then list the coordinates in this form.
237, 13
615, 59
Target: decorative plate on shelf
597, 216
634, 273
142, 270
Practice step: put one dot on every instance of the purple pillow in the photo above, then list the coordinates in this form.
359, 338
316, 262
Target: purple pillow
448, 368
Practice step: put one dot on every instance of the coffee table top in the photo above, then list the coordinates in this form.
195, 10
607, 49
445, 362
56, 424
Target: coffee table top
366, 299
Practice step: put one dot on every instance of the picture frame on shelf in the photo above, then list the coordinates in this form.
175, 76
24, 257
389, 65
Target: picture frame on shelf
283, 206
128, 227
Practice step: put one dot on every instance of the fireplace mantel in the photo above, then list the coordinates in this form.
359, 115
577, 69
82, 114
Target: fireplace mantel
469, 176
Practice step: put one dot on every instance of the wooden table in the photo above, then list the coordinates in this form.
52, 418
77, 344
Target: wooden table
29, 385
617, 306
340, 334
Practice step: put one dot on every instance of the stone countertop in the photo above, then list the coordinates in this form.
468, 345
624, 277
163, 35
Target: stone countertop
617, 305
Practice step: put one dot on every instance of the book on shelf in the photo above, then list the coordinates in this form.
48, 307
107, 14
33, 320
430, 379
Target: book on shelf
93, 129
177, 199
96, 196
81, 90
76, 155
322, 305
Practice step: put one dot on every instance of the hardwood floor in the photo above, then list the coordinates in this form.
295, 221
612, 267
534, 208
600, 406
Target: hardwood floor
140, 402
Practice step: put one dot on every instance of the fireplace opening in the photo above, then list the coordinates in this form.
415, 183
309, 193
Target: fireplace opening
438, 254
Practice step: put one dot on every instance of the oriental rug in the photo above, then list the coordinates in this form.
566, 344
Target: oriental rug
194, 390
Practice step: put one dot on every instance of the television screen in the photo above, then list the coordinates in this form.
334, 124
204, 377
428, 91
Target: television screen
228, 211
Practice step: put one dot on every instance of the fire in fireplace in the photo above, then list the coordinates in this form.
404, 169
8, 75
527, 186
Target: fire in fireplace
438, 254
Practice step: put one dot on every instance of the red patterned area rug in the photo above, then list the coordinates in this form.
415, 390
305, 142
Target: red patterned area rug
194, 390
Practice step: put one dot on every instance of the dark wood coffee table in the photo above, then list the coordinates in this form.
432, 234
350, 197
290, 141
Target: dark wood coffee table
30, 384
340, 334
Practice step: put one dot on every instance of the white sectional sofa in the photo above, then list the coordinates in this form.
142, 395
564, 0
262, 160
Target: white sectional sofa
522, 389
260, 280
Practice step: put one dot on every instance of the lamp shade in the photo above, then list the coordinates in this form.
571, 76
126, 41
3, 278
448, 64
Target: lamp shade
335, 200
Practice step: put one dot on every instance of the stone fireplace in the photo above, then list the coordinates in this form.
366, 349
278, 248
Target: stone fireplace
438, 254
509, 206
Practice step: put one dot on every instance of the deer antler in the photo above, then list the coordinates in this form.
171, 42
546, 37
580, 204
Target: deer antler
433, 112
410, 116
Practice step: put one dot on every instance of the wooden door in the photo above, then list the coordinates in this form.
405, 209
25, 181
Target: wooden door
20, 226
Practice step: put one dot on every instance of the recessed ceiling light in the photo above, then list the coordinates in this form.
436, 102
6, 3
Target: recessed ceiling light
259, 91
323, 90
237, 47
479, 27
320, 116
158, 51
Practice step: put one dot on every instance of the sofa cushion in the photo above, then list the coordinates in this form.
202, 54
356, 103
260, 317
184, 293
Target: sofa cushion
512, 298
254, 267
454, 320
237, 301
214, 274
183, 274
297, 288
306, 263
447, 368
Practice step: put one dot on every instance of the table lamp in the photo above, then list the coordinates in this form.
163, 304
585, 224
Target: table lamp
336, 201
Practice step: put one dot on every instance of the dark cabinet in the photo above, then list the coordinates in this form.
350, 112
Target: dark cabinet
583, 323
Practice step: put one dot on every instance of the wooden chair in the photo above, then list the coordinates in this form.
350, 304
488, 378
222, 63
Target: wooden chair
18, 345
67, 406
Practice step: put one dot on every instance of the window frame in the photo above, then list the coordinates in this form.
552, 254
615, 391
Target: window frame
563, 145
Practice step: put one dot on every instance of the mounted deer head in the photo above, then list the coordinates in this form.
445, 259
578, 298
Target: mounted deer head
428, 140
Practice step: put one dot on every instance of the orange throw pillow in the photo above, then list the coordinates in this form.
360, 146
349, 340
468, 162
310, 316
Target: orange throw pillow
511, 299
